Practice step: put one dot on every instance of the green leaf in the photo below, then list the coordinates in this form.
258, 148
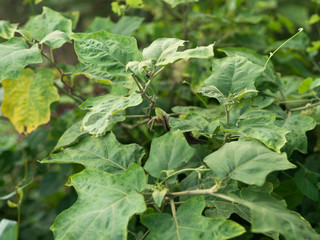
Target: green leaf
305, 85
262, 128
27, 100
71, 135
167, 153
165, 51
8, 229
103, 111
298, 125
125, 26
104, 206
102, 153
194, 122
42, 27
190, 224
267, 80
11, 136
175, 3
158, 196
231, 76
106, 52
14, 56
246, 161
7, 29
289, 191
271, 215
103, 77
306, 186
55, 39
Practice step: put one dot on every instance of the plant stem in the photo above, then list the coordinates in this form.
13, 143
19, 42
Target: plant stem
68, 94
174, 215
284, 100
130, 127
209, 191
227, 110
183, 170
305, 107
272, 53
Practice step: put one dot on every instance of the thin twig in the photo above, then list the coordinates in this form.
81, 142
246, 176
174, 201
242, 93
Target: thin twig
305, 107
130, 127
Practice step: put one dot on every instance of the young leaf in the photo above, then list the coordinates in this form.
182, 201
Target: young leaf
102, 111
246, 161
27, 100
231, 76
103, 153
42, 27
104, 206
7, 29
298, 125
167, 153
305, 85
271, 215
189, 224
165, 51
14, 56
106, 52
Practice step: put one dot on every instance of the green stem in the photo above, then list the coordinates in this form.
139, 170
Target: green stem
272, 53
174, 215
305, 107
183, 170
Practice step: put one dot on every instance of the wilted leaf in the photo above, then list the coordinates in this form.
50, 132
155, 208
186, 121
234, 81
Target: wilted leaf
27, 100
104, 206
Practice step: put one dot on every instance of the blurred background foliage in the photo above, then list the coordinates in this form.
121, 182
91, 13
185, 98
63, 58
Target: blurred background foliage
261, 25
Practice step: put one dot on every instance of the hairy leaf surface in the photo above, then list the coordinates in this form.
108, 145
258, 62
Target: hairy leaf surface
190, 224
268, 214
103, 153
50, 27
246, 161
104, 206
165, 51
106, 52
232, 77
103, 111
298, 125
168, 152
27, 100
14, 56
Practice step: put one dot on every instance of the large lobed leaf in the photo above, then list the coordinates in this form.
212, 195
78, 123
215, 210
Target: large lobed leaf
51, 28
14, 56
271, 215
246, 161
168, 152
27, 100
298, 125
190, 224
165, 51
261, 126
103, 153
233, 78
103, 111
104, 206
106, 52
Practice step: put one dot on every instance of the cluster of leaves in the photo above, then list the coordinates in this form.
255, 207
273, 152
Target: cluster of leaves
184, 144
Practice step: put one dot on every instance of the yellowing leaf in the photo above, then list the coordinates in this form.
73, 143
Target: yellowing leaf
27, 100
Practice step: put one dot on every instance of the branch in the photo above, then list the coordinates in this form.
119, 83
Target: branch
305, 107
209, 191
